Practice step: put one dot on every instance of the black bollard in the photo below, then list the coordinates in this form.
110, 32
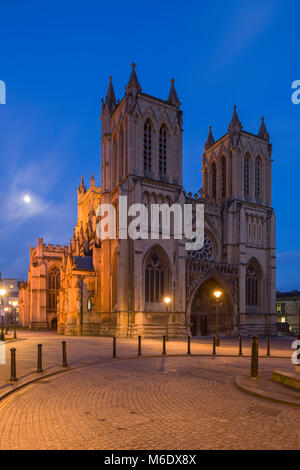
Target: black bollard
240, 346
114, 347
254, 357
268, 347
214, 346
13, 376
189, 345
39, 359
164, 346
64, 351
139, 346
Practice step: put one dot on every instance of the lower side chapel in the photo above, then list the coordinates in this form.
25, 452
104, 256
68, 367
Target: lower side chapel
119, 286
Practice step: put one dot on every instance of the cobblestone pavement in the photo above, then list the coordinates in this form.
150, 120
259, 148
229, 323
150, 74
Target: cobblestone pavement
90, 350
148, 403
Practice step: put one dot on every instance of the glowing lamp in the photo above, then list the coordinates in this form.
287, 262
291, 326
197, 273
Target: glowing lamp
217, 294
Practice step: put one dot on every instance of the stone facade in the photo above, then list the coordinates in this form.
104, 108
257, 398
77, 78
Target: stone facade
117, 286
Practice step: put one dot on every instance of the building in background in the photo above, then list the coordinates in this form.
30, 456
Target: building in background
288, 312
11, 288
120, 286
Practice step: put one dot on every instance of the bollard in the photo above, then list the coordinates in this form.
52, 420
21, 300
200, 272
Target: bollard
268, 347
139, 346
39, 359
13, 376
114, 347
254, 357
240, 346
164, 346
189, 345
214, 346
64, 351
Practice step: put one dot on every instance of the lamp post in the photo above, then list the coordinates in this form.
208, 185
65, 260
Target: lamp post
217, 294
2, 294
167, 301
14, 304
6, 310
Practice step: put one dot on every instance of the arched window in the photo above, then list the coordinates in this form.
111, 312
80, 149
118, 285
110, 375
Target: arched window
147, 145
114, 161
163, 150
89, 304
246, 175
53, 288
121, 152
156, 279
205, 182
214, 180
252, 285
223, 173
258, 178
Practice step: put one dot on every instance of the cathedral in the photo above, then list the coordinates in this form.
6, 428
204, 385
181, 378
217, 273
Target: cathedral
120, 286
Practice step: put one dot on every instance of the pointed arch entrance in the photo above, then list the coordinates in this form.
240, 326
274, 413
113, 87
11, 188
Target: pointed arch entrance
203, 310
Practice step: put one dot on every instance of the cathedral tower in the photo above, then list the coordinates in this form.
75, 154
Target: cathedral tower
142, 160
237, 182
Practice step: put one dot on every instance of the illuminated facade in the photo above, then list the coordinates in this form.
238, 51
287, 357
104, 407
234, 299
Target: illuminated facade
118, 286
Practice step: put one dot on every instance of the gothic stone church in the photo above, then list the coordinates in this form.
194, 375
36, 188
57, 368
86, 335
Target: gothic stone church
116, 286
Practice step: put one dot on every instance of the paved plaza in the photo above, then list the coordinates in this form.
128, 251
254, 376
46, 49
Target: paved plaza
142, 403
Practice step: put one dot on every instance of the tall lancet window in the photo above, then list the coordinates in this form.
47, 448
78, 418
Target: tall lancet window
247, 175
114, 162
214, 181
258, 178
223, 176
53, 288
252, 286
121, 152
163, 150
148, 145
205, 182
156, 279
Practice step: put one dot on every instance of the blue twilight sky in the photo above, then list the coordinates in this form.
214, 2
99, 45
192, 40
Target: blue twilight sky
55, 58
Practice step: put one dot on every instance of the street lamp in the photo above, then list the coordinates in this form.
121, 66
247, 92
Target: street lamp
167, 301
217, 294
6, 310
14, 304
2, 294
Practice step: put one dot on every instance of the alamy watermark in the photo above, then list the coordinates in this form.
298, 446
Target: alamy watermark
296, 354
2, 353
2, 92
152, 222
